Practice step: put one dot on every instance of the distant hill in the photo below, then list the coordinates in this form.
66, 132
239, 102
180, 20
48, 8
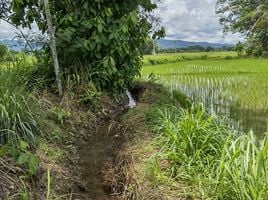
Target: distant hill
13, 44
172, 44
162, 43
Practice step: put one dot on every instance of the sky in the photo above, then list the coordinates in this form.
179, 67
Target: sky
193, 20
6, 30
190, 20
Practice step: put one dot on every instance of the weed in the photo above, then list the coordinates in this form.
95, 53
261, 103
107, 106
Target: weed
59, 114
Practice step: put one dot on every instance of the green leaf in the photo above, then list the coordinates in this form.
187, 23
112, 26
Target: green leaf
23, 145
112, 61
100, 27
4, 149
33, 164
23, 158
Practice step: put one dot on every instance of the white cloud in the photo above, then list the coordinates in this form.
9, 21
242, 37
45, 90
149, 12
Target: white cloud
193, 20
7, 31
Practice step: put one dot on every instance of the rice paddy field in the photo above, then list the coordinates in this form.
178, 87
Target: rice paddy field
178, 57
232, 87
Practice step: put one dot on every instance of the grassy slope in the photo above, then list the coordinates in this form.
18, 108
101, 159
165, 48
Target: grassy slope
188, 154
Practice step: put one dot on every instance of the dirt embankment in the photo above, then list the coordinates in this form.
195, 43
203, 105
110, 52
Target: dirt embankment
91, 155
109, 160
98, 153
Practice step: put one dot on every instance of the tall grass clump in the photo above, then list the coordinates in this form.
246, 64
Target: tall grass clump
243, 171
17, 117
202, 151
192, 139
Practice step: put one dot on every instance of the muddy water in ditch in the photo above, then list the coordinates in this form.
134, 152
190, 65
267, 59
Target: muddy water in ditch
101, 148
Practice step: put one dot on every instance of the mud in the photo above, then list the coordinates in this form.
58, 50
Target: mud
102, 153
101, 148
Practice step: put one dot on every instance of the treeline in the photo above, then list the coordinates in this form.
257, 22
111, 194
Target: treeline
151, 47
7, 55
196, 48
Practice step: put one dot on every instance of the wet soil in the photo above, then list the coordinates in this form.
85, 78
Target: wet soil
100, 149
101, 154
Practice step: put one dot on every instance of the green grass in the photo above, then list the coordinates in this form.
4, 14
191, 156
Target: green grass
207, 155
17, 106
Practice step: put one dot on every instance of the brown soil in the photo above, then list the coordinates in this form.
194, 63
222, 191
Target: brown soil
98, 151
107, 165
97, 161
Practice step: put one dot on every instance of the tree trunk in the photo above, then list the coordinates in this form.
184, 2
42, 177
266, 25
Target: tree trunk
53, 46
154, 47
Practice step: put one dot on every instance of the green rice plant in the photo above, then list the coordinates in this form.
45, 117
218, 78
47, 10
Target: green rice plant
235, 88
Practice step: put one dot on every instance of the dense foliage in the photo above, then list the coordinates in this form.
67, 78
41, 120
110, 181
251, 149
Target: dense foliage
103, 38
196, 48
4, 8
248, 17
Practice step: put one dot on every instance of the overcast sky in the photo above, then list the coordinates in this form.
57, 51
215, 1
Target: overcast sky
6, 30
191, 20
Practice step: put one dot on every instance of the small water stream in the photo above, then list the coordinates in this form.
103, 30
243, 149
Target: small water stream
100, 150
131, 102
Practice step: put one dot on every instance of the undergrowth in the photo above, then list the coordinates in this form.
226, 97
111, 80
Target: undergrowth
202, 151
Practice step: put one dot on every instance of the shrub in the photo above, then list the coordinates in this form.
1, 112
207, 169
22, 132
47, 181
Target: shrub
104, 36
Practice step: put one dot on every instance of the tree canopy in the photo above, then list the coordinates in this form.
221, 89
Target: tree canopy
101, 37
4, 8
248, 17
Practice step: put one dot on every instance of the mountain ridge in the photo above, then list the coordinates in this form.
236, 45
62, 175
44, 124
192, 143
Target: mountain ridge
14, 45
162, 43
172, 44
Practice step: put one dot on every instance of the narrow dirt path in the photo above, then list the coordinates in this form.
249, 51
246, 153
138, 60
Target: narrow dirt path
100, 149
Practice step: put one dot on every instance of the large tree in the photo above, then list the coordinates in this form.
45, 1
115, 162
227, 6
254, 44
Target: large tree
248, 17
103, 38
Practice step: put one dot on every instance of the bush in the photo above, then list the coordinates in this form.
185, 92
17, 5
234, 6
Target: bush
104, 37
